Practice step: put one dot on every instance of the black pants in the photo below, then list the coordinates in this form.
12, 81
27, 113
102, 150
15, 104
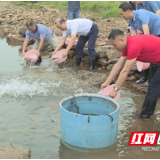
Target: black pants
154, 86
91, 38
149, 73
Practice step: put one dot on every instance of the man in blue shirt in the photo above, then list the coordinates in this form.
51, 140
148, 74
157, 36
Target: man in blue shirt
148, 23
73, 9
152, 6
43, 35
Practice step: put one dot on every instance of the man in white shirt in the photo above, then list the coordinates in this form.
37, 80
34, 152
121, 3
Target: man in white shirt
87, 30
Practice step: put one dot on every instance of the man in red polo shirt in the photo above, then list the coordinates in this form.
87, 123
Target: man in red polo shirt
145, 48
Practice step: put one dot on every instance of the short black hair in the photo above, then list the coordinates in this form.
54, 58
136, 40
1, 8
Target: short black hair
30, 23
114, 33
125, 6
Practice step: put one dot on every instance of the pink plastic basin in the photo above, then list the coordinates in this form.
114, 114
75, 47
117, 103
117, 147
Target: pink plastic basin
31, 55
58, 57
142, 66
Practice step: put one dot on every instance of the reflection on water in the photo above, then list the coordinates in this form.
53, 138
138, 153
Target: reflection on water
9, 61
107, 153
29, 112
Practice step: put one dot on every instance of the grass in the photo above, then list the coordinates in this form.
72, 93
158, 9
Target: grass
102, 8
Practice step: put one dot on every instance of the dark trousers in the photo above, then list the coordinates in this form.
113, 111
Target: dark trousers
91, 38
154, 86
149, 73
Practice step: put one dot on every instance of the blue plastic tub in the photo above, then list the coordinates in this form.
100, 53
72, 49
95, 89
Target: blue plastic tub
89, 120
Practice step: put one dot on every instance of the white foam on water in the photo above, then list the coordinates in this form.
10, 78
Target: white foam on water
21, 87
46, 65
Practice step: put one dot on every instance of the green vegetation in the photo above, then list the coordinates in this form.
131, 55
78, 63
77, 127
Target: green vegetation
103, 8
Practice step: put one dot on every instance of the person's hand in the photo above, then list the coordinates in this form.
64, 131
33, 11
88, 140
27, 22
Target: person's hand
22, 55
38, 53
104, 85
65, 53
112, 94
54, 53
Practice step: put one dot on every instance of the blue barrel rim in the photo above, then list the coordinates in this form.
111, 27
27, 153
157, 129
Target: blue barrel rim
89, 95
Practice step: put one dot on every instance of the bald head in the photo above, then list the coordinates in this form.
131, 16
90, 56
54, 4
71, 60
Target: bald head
61, 24
60, 21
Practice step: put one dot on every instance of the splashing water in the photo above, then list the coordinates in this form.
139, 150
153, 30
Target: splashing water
20, 87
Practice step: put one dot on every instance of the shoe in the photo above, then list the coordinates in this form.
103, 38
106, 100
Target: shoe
151, 74
142, 80
92, 63
148, 107
78, 61
145, 84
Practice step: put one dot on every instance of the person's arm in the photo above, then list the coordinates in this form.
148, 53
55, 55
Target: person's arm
144, 19
123, 76
24, 47
74, 30
114, 72
71, 42
25, 43
132, 28
60, 44
154, 7
158, 12
145, 29
124, 73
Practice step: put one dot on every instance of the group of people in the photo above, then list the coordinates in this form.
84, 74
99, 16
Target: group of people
143, 45
152, 28
86, 29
